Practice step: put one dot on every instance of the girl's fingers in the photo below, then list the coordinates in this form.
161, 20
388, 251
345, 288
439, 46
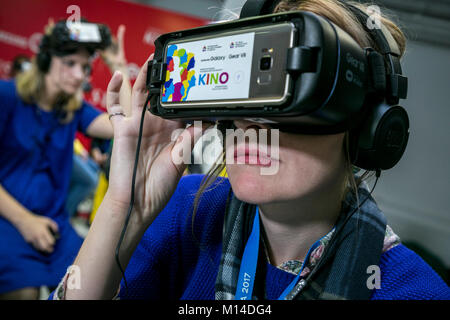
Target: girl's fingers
120, 36
53, 225
139, 94
113, 90
44, 244
113, 106
49, 240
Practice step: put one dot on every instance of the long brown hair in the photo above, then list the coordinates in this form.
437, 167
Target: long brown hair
337, 13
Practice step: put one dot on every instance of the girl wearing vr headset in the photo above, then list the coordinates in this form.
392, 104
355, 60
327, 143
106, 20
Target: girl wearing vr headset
252, 236
41, 112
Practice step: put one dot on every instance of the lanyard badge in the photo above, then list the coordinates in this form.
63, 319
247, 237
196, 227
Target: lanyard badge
249, 261
247, 271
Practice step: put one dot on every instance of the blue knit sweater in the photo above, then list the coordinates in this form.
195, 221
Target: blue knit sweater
178, 257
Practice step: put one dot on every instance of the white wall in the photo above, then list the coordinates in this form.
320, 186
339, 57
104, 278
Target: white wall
415, 195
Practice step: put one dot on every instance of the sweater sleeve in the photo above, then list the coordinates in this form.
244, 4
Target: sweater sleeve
87, 113
148, 269
406, 276
153, 269
175, 257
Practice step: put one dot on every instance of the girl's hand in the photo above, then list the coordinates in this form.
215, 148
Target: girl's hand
38, 231
157, 174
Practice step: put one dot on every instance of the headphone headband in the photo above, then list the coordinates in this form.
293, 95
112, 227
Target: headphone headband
253, 8
396, 85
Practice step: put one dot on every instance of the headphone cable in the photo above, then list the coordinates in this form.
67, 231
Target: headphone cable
130, 208
327, 251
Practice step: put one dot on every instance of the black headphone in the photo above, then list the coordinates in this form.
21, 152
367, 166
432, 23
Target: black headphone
380, 139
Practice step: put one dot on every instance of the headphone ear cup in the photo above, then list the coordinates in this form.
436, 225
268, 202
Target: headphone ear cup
43, 59
382, 138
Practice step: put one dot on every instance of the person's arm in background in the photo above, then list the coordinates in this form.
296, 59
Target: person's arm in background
100, 275
114, 57
34, 228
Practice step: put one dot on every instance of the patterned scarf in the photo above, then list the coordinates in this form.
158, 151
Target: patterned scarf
341, 272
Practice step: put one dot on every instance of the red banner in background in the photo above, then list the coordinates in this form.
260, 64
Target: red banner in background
22, 23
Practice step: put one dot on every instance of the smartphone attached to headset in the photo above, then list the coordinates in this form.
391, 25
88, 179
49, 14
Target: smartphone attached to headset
240, 67
296, 71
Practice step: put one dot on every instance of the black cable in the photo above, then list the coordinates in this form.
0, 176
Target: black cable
377, 175
130, 208
328, 248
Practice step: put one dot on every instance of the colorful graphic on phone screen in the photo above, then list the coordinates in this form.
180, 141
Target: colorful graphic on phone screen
209, 69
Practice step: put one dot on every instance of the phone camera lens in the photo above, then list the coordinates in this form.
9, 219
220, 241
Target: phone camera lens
265, 63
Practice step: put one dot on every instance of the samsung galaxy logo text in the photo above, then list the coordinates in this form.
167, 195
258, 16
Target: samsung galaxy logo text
217, 58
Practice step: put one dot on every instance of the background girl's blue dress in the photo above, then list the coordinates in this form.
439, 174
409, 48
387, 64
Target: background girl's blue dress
35, 167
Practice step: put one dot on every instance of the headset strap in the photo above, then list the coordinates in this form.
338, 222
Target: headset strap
253, 8
397, 84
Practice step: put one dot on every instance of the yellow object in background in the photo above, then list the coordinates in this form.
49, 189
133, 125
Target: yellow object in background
78, 148
223, 173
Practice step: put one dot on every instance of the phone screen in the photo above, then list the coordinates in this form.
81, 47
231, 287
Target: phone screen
209, 69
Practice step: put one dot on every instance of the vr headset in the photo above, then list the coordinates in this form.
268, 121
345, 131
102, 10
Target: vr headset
295, 71
67, 38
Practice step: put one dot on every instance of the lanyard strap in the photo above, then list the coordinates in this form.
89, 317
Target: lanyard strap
291, 286
247, 271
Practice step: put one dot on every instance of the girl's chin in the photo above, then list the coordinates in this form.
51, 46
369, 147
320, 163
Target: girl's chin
251, 188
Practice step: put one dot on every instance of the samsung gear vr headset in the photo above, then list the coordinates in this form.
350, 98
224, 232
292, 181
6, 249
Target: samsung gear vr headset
335, 85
